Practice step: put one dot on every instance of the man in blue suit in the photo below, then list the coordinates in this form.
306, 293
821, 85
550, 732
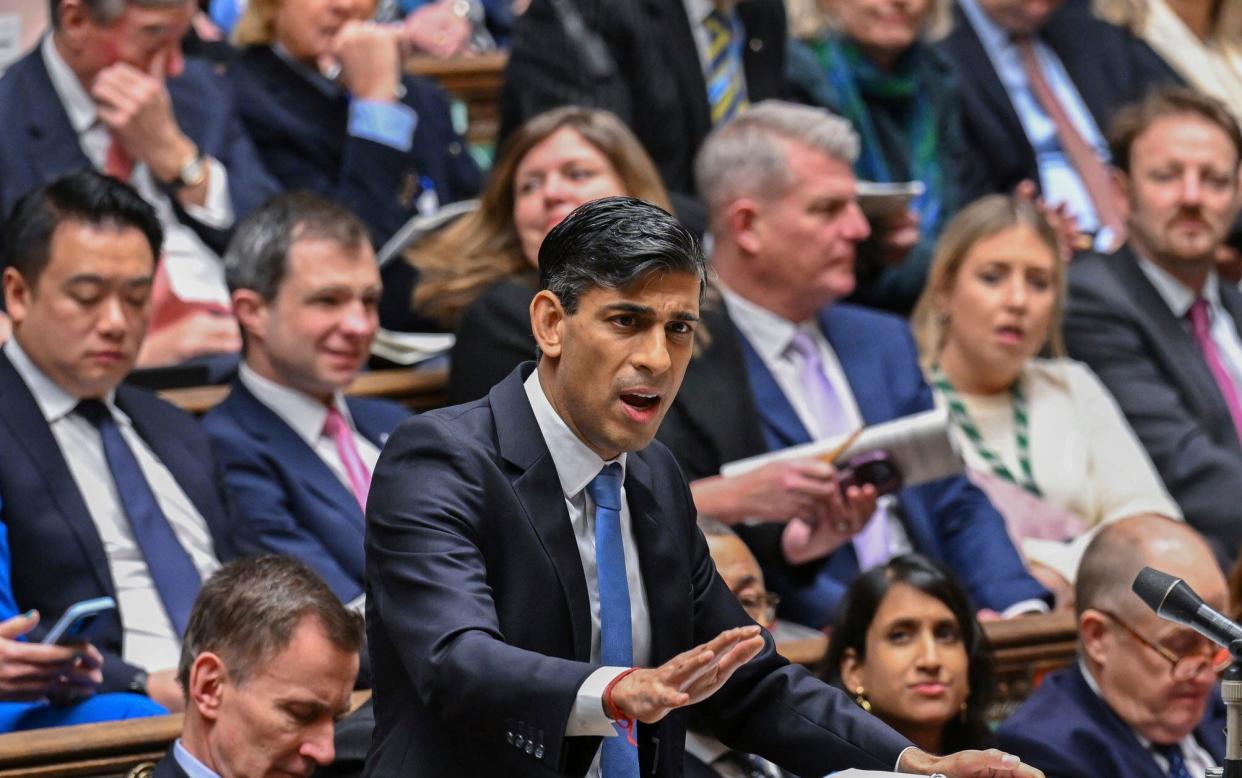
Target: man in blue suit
786, 364
109, 90
108, 490
297, 454
539, 600
1140, 701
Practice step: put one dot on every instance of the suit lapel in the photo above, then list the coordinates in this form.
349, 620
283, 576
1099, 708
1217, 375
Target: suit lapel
375, 432
31, 431
978, 71
313, 474
657, 558
862, 370
538, 490
1187, 365
670, 17
54, 146
782, 426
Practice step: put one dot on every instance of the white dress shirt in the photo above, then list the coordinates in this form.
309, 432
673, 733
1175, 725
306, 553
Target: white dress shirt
576, 465
149, 638
195, 272
1059, 181
306, 416
1179, 298
1197, 758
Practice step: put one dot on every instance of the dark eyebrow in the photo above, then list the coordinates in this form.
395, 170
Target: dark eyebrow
647, 310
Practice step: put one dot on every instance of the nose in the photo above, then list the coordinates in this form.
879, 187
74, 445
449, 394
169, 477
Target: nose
651, 354
855, 228
555, 188
1192, 188
318, 745
111, 322
929, 653
358, 320
1016, 292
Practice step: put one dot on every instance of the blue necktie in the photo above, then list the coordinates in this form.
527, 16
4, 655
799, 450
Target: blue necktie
173, 572
1172, 752
618, 759
726, 83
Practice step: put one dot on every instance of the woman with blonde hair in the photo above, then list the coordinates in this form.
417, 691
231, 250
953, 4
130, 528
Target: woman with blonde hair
479, 274
1040, 435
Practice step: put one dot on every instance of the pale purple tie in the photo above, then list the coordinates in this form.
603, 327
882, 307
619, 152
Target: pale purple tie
871, 546
1198, 315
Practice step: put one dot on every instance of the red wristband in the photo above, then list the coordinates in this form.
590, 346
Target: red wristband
616, 714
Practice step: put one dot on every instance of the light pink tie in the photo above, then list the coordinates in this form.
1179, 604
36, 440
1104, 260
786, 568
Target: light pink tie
1201, 328
336, 428
872, 544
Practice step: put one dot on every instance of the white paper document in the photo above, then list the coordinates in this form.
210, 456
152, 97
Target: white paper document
921, 446
852, 773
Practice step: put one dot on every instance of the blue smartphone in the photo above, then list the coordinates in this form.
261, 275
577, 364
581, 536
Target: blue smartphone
74, 626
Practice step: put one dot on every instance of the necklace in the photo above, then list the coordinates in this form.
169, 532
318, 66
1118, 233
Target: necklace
961, 417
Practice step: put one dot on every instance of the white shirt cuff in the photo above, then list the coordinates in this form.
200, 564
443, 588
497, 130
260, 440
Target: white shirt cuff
217, 211
1024, 607
587, 716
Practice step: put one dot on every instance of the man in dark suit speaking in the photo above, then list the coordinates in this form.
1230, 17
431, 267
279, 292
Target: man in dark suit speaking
535, 580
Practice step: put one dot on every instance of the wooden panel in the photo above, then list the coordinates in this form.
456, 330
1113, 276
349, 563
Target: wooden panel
476, 81
1024, 650
416, 388
800, 645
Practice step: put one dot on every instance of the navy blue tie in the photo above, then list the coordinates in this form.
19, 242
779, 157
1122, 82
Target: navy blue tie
173, 572
618, 759
1172, 752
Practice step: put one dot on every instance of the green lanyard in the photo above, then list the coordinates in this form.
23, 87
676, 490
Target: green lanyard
1020, 429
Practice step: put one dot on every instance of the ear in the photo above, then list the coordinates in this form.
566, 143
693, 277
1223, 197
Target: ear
208, 677
547, 322
17, 295
743, 221
74, 16
252, 312
851, 670
1093, 633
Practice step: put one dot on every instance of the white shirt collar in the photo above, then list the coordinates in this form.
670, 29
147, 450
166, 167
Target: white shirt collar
991, 35
768, 332
190, 764
576, 464
73, 96
53, 401
300, 411
1176, 295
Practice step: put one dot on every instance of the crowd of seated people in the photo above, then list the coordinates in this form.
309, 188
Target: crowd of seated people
146, 226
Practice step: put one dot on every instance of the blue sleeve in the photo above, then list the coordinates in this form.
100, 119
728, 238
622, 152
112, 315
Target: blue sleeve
8, 606
391, 124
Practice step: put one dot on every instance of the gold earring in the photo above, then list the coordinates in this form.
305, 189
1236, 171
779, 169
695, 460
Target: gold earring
860, 697
963, 713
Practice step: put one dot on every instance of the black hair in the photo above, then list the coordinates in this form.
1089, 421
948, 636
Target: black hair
612, 243
862, 601
87, 197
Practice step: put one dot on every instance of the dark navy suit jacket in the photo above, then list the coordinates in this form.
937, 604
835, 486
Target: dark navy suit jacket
1067, 731
1109, 66
479, 621
301, 133
730, 407
57, 555
290, 498
38, 144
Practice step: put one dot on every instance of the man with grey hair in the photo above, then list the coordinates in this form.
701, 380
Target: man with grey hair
788, 364
108, 89
1140, 701
296, 453
267, 666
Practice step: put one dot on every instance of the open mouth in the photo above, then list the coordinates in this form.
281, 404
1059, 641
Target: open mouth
1010, 334
640, 406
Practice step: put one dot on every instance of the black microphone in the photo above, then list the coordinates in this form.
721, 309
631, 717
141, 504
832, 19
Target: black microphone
1172, 599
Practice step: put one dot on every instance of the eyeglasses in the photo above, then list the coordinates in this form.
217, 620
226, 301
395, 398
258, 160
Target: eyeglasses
1188, 666
761, 608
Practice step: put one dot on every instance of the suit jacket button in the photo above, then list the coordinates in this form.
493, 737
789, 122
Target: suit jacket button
454, 148
519, 741
509, 737
756, 45
530, 747
539, 752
